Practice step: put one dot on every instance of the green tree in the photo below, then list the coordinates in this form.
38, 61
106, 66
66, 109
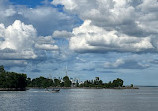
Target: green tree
56, 82
43, 82
117, 83
2, 69
12, 79
29, 82
67, 82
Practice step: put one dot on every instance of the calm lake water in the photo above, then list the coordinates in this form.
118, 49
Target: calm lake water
143, 99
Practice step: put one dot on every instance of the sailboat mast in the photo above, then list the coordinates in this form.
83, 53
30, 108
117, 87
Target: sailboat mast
66, 70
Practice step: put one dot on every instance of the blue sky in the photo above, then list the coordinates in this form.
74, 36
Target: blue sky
29, 3
109, 39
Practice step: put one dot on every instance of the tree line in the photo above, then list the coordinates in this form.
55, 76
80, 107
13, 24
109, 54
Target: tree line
66, 82
17, 80
12, 79
99, 83
43, 82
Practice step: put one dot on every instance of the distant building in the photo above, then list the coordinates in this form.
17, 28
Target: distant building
81, 82
74, 82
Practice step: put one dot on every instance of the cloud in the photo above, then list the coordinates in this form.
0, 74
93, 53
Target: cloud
90, 69
41, 17
148, 16
105, 13
61, 34
133, 18
36, 70
106, 72
46, 47
6, 10
20, 42
125, 64
44, 20
13, 63
111, 25
155, 61
18, 36
18, 55
84, 26
19, 39
91, 38
69, 4
47, 18
86, 66
46, 43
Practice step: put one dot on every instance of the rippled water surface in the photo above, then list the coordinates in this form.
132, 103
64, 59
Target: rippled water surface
143, 99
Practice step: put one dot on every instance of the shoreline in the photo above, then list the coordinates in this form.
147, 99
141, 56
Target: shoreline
21, 89
13, 89
83, 88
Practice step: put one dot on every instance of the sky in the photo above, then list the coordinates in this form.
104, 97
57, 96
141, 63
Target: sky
93, 38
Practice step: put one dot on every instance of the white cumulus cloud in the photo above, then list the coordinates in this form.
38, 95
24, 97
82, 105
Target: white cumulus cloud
20, 38
91, 38
20, 41
126, 25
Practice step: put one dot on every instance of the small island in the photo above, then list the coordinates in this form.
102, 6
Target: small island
11, 81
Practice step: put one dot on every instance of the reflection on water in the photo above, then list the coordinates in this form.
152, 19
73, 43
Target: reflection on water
143, 99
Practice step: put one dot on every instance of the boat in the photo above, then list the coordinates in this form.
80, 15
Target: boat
46, 89
55, 90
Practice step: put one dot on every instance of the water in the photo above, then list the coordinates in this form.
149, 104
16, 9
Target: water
143, 99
